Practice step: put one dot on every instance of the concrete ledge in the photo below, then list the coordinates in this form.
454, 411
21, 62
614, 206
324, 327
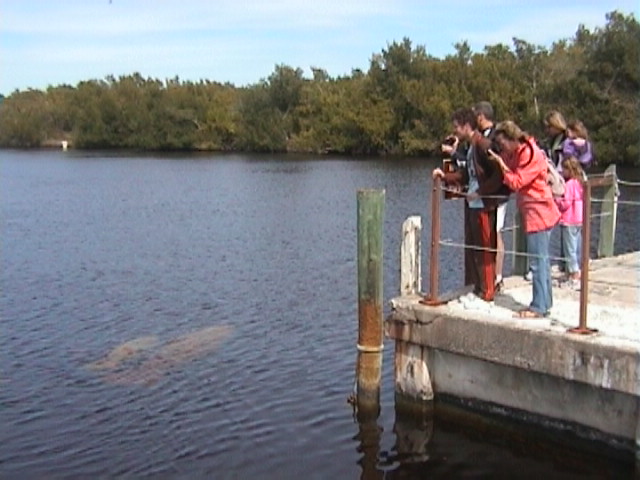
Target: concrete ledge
532, 345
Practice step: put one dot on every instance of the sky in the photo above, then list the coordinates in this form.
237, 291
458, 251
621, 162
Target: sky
54, 42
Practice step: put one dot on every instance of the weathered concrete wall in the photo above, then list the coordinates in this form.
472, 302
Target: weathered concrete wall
412, 372
607, 411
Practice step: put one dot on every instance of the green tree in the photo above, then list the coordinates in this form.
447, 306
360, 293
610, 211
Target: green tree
23, 119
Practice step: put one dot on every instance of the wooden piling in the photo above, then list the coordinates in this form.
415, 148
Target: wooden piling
609, 212
410, 271
370, 332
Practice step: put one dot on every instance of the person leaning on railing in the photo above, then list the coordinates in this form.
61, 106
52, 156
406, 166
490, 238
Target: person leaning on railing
524, 168
482, 181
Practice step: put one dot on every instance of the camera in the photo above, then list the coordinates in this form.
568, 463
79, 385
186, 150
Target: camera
495, 147
450, 140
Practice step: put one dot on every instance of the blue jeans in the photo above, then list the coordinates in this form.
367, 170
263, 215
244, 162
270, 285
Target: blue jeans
538, 248
571, 236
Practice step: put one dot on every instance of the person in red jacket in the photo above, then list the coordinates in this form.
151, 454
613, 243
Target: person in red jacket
524, 169
484, 185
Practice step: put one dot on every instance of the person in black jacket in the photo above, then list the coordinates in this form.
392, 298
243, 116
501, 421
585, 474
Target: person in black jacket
556, 129
482, 181
486, 125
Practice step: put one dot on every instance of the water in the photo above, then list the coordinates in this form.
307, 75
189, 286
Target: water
99, 249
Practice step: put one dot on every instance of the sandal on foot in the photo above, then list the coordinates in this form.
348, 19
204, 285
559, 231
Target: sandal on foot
528, 313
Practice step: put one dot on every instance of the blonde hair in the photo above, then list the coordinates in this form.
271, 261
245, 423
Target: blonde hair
571, 165
579, 129
555, 119
511, 131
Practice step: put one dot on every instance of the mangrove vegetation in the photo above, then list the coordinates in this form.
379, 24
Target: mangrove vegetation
400, 106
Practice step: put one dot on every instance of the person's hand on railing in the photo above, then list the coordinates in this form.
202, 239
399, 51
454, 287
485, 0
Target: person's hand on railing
437, 173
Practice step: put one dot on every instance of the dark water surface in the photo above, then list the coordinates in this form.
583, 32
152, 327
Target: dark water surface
237, 276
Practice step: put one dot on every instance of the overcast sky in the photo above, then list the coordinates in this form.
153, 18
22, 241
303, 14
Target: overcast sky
53, 42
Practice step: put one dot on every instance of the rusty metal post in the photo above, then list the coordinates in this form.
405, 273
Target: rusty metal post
434, 255
370, 331
584, 274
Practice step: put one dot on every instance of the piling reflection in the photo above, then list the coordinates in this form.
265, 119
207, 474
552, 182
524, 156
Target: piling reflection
413, 430
368, 437
366, 410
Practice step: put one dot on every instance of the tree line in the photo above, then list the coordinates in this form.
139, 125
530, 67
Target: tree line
401, 106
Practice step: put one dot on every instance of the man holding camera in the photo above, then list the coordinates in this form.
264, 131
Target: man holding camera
482, 181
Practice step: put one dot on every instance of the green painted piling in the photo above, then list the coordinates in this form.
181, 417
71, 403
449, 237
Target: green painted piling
370, 332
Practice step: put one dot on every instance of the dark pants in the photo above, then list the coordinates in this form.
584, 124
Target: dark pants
481, 262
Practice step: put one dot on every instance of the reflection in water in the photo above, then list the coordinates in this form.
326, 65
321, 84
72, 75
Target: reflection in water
413, 431
440, 440
413, 434
369, 436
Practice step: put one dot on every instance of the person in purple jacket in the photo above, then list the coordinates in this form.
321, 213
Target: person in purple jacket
577, 144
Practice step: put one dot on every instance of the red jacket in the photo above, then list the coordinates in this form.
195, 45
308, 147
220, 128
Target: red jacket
528, 177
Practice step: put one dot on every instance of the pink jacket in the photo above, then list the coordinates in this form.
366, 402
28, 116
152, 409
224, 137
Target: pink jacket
570, 204
528, 177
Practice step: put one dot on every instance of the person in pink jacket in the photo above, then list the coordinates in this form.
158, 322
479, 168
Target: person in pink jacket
570, 206
524, 168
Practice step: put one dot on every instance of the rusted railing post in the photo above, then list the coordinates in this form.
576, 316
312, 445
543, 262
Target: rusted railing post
434, 255
584, 274
370, 332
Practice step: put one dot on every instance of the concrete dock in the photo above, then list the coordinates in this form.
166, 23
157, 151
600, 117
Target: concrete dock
532, 369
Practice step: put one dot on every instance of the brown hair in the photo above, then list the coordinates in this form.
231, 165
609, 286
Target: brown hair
572, 166
465, 116
511, 131
555, 119
579, 129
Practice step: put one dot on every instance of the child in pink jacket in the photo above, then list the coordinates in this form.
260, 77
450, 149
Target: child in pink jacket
570, 206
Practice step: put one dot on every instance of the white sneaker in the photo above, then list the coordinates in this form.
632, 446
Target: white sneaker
477, 303
466, 297
528, 276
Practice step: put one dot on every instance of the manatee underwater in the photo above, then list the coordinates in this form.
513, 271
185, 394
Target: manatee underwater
139, 362
124, 352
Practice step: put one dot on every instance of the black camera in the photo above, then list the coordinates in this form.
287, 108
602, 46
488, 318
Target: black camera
495, 146
450, 140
